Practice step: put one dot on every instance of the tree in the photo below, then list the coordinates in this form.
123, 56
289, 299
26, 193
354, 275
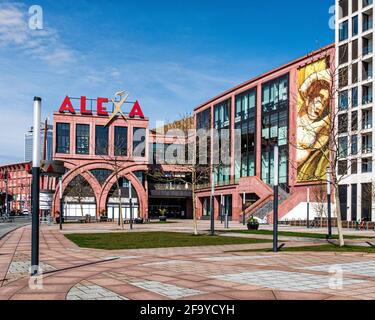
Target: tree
320, 201
79, 189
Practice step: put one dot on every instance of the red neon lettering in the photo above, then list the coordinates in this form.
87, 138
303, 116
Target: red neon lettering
101, 110
136, 111
67, 106
83, 107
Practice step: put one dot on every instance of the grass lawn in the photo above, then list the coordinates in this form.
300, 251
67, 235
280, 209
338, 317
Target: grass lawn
331, 248
146, 240
297, 234
320, 248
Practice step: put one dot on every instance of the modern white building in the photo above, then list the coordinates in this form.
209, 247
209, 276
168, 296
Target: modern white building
355, 103
29, 142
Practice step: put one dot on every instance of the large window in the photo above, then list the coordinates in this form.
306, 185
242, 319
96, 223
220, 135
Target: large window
222, 125
343, 147
343, 100
366, 165
343, 196
101, 140
344, 31
355, 26
245, 120
63, 138
121, 141
275, 128
354, 145
366, 201
203, 148
139, 142
82, 138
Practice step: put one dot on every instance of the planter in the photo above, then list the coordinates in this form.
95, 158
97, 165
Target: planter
138, 221
252, 225
163, 219
58, 220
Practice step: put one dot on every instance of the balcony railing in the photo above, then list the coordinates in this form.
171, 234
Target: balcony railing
168, 187
230, 182
367, 149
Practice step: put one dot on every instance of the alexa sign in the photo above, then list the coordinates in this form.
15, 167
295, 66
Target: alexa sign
101, 109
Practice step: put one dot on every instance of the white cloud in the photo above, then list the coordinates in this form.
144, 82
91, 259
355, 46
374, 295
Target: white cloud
40, 44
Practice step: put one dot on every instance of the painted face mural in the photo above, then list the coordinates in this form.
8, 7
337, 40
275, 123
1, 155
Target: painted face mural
314, 86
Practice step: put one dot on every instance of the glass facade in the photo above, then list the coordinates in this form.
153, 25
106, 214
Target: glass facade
275, 102
121, 141
139, 142
222, 119
63, 138
203, 122
245, 120
82, 139
101, 140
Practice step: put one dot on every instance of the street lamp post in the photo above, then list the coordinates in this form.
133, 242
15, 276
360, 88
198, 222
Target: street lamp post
243, 208
119, 208
35, 188
226, 212
61, 203
329, 203
308, 208
213, 204
221, 210
131, 205
276, 198
6, 193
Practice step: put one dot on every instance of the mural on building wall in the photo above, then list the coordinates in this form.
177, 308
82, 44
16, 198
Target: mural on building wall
314, 95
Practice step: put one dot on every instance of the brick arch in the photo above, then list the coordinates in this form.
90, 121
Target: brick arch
128, 173
75, 171
84, 171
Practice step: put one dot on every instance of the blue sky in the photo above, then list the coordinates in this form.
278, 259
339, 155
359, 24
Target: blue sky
170, 55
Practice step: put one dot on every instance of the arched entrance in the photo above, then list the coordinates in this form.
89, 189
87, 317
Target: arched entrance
113, 200
79, 199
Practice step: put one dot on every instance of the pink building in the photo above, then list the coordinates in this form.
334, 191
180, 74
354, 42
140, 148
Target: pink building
98, 152
19, 186
266, 109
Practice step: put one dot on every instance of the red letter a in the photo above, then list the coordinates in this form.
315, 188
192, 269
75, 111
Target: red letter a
136, 111
67, 106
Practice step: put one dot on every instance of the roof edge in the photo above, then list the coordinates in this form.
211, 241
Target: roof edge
263, 75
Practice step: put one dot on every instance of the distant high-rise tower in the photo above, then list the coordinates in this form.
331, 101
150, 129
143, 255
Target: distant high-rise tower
29, 142
355, 102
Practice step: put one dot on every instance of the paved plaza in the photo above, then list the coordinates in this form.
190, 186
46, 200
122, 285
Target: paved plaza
222, 272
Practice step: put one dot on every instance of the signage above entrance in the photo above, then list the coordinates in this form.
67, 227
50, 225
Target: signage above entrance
101, 108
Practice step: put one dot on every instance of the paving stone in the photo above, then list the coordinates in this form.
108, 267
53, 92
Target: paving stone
357, 268
167, 290
283, 280
92, 292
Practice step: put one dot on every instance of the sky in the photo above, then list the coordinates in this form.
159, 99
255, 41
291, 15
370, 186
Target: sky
170, 55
